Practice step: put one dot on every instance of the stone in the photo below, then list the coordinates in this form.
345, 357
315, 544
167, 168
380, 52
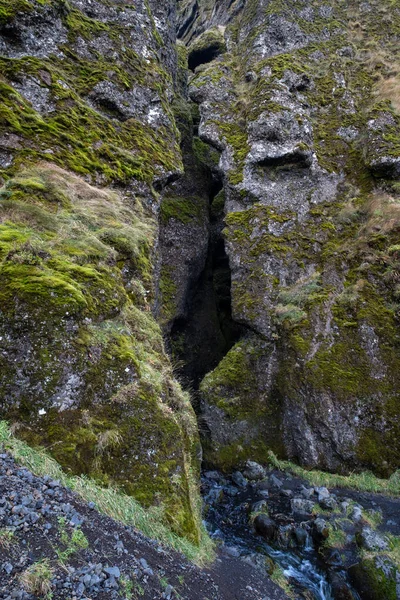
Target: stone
371, 540
239, 479
112, 572
323, 493
300, 536
328, 503
260, 506
265, 526
275, 482
254, 471
302, 506
321, 528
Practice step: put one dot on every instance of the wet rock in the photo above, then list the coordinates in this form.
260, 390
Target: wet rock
371, 540
239, 479
333, 558
300, 536
340, 589
267, 527
254, 471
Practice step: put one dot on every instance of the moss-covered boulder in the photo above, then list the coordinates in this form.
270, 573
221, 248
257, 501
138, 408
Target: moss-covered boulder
241, 418
375, 578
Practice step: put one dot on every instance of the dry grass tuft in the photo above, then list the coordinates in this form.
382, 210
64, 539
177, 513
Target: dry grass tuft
36, 579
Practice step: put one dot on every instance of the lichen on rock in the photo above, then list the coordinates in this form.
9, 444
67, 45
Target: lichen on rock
88, 136
308, 137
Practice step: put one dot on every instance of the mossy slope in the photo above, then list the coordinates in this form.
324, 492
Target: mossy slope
86, 132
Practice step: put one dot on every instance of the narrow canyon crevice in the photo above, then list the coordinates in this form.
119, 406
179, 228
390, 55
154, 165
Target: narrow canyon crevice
200, 339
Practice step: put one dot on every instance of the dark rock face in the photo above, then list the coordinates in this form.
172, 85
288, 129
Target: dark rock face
309, 155
87, 137
251, 209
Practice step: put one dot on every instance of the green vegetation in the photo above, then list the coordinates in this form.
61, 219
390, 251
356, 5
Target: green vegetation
184, 210
37, 579
281, 580
66, 248
110, 501
366, 482
233, 388
73, 541
6, 537
337, 537
211, 40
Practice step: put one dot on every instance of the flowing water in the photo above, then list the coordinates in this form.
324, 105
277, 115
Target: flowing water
227, 519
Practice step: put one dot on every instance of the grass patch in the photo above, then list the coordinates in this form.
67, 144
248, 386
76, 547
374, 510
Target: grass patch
6, 538
73, 541
278, 577
109, 501
364, 482
36, 579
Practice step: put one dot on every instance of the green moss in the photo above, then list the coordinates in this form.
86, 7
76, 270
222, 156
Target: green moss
233, 388
168, 291
236, 137
8, 9
65, 247
204, 155
212, 39
185, 210
375, 580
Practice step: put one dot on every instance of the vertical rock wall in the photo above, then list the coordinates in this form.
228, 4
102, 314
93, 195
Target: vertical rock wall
302, 104
87, 140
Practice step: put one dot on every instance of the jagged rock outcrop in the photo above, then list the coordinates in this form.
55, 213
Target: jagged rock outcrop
87, 137
112, 211
301, 111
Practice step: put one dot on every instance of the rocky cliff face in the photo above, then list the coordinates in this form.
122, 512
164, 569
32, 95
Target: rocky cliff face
301, 102
87, 141
240, 188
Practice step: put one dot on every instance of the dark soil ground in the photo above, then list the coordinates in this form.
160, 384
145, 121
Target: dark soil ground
118, 562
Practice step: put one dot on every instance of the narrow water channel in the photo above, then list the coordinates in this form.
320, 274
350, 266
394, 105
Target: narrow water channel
227, 518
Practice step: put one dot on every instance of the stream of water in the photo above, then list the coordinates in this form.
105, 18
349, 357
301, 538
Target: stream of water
228, 520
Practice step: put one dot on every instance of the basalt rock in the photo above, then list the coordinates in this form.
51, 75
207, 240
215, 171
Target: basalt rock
309, 152
88, 140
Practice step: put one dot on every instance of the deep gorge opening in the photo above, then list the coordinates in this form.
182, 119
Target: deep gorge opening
200, 340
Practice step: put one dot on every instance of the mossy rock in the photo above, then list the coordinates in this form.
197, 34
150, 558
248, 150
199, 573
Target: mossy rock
83, 367
243, 421
374, 578
206, 48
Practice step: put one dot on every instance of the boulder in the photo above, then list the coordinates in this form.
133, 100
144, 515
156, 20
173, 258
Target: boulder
266, 527
254, 471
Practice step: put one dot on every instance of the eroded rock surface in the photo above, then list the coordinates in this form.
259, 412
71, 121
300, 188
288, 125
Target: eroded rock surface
309, 140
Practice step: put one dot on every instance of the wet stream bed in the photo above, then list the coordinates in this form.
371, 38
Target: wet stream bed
308, 537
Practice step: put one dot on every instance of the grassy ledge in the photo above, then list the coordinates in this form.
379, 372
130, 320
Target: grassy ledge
364, 482
109, 501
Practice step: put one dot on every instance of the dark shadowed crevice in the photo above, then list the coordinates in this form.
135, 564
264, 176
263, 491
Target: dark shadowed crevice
203, 56
297, 159
199, 341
